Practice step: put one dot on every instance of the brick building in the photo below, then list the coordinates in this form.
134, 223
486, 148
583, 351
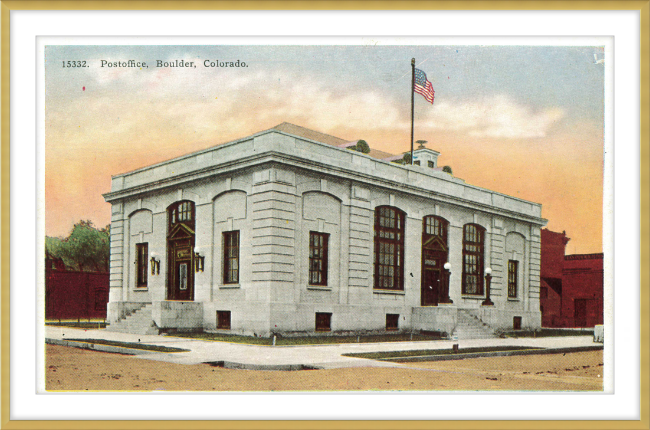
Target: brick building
571, 287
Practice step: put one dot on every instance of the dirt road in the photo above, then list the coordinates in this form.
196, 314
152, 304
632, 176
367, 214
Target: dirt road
81, 370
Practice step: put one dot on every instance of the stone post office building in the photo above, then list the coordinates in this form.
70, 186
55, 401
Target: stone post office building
288, 231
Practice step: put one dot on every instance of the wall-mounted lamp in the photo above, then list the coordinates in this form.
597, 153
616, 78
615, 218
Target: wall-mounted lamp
488, 281
155, 264
199, 260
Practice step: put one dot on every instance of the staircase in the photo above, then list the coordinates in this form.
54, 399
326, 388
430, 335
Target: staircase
140, 321
469, 326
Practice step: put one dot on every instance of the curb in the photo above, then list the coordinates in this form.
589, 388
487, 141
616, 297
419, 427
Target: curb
245, 366
97, 346
462, 356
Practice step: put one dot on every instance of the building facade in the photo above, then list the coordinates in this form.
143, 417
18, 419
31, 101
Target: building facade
571, 293
286, 231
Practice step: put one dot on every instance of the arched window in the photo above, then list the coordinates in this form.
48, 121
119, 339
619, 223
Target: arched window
434, 229
473, 252
181, 213
389, 248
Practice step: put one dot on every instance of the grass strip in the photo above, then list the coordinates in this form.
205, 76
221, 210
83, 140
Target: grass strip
548, 332
308, 340
132, 345
434, 352
74, 324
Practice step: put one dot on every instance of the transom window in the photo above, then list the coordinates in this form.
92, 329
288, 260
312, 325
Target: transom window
473, 249
318, 243
181, 212
436, 226
231, 257
513, 267
142, 255
389, 248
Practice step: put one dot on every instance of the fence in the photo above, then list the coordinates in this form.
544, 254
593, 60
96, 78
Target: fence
75, 295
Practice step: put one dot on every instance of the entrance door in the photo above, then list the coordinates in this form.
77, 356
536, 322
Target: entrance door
181, 282
434, 256
580, 312
180, 251
431, 280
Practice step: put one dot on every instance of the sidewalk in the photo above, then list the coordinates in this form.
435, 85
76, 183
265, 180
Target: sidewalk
262, 357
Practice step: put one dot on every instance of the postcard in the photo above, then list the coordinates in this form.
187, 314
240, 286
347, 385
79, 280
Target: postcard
353, 216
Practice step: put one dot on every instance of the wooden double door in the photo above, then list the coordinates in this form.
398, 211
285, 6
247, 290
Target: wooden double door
180, 275
432, 276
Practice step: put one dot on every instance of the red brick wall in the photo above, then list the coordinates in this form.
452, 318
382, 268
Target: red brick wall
551, 304
582, 279
552, 258
72, 295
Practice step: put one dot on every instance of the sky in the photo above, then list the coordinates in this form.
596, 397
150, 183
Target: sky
526, 121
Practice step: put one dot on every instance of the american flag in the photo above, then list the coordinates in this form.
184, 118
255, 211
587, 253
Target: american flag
423, 86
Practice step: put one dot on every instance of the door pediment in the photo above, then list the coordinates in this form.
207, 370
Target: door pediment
180, 231
434, 242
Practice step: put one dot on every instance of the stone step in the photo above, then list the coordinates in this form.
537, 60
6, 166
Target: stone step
139, 321
470, 326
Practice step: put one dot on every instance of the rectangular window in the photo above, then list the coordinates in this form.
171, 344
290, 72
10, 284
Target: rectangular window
417, 162
516, 323
223, 320
389, 248
142, 263
323, 321
392, 321
430, 163
182, 276
473, 241
512, 278
318, 258
231, 257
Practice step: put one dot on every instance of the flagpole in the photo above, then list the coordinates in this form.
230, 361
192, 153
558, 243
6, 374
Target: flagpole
412, 102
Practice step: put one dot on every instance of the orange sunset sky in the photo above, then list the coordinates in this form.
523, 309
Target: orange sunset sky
524, 121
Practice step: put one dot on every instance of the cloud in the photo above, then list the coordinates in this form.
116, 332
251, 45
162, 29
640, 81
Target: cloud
315, 104
202, 98
499, 117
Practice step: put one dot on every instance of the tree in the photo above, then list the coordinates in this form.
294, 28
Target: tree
407, 158
447, 169
86, 249
361, 146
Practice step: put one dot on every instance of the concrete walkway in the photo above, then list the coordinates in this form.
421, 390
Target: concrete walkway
262, 357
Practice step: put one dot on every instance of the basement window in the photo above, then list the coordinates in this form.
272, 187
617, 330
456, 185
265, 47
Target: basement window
392, 321
516, 323
223, 320
323, 321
